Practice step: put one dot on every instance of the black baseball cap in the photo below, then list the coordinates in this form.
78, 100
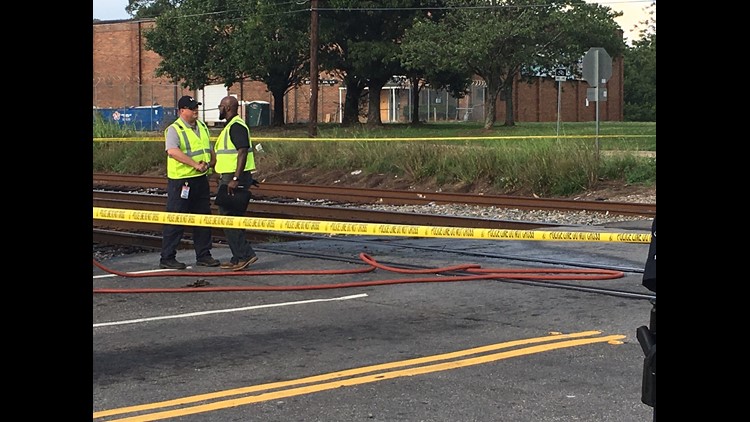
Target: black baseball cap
188, 102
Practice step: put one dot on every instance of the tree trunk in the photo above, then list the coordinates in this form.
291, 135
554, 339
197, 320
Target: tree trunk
354, 90
493, 89
278, 109
415, 88
373, 106
508, 94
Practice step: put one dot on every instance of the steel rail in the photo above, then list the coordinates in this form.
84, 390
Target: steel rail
269, 191
146, 202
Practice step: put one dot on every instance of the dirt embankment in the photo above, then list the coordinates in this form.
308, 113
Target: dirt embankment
610, 191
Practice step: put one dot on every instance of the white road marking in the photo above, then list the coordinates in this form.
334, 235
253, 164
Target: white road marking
135, 272
221, 311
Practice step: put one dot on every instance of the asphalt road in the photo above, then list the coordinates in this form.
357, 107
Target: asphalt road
479, 350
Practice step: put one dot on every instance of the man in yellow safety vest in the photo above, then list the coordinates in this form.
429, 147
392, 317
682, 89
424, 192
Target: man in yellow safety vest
189, 156
234, 163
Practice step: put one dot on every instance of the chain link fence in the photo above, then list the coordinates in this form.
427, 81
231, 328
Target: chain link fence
114, 99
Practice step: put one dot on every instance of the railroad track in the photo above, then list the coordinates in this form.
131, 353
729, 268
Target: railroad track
279, 201
150, 202
275, 191
146, 235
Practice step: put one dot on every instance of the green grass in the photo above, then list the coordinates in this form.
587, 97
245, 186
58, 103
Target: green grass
109, 129
529, 157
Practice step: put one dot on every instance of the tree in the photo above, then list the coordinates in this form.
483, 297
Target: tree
206, 42
346, 34
501, 40
270, 42
186, 38
144, 9
639, 83
361, 38
427, 66
423, 67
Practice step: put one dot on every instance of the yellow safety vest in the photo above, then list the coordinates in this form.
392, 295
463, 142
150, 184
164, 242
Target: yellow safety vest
197, 148
226, 151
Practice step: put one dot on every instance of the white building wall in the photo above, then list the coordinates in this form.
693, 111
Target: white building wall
210, 96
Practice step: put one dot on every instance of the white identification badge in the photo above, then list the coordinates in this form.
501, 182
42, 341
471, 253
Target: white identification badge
185, 192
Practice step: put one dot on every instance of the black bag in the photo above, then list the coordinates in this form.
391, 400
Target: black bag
237, 202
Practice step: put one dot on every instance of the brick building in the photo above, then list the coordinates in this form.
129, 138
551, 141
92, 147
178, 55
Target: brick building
124, 77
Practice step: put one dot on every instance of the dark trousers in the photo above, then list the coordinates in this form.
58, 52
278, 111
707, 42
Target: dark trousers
198, 202
237, 238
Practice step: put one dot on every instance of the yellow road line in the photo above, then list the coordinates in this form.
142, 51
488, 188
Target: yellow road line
334, 380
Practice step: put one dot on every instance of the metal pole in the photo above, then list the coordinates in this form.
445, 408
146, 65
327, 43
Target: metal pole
596, 96
559, 86
446, 105
428, 105
341, 109
313, 129
395, 106
408, 102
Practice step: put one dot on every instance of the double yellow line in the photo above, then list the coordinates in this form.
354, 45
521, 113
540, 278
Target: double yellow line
347, 378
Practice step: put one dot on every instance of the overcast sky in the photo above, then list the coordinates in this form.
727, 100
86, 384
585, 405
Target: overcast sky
632, 12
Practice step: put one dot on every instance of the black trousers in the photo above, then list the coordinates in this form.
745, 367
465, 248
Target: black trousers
197, 202
237, 238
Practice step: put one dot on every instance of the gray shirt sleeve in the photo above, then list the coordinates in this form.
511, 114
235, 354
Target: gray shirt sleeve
172, 140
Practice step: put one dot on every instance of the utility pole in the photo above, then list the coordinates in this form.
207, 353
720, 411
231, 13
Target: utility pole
313, 129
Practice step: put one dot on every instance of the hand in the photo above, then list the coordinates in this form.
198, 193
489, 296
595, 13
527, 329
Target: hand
231, 185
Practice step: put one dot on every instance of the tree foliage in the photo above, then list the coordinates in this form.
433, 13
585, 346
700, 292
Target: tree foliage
501, 40
639, 83
186, 38
204, 42
361, 39
267, 42
366, 42
144, 9
423, 67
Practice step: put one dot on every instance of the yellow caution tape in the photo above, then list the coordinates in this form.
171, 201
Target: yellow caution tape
361, 229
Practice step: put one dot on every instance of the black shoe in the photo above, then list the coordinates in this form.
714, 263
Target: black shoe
208, 261
171, 264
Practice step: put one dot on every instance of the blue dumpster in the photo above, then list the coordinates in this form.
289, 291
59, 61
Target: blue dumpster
143, 118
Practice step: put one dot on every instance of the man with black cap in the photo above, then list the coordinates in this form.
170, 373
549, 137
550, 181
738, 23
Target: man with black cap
189, 156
